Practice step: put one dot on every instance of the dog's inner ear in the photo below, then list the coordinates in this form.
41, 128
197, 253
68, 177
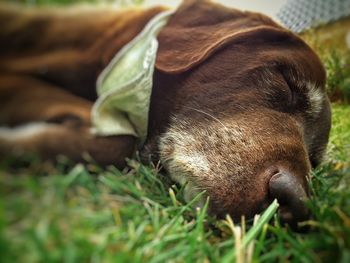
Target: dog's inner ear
197, 30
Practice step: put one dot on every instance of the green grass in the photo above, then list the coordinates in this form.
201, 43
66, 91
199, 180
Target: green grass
338, 75
70, 213
73, 213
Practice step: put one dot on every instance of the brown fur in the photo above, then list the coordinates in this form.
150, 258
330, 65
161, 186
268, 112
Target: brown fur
49, 63
236, 98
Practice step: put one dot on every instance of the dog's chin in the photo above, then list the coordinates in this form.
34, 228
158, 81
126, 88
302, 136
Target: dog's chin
191, 192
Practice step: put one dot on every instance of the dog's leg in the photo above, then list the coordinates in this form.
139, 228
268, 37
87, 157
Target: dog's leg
49, 62
68, 47
39, 52
41, 118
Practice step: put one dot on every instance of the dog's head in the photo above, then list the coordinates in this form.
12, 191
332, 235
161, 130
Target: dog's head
238, 109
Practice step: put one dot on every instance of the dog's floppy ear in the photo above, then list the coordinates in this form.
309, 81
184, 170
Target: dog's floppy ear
199, 28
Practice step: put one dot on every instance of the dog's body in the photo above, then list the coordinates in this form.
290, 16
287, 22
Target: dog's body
238, 106
48, 69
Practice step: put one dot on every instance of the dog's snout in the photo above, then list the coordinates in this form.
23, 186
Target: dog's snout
291, 195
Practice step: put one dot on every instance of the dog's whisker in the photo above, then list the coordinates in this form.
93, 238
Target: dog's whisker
208, 114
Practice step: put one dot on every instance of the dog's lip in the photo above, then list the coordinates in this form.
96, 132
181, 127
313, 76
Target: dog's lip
190, 192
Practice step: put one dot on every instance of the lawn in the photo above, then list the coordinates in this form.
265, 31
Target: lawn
71, 212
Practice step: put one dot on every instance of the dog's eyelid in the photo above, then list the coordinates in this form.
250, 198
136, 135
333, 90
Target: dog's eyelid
292, 91
292, 85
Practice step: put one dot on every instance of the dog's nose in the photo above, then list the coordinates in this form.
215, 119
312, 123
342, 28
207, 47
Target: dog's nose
291, 196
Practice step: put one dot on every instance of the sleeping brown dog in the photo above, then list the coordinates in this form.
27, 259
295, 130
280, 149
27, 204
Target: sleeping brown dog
238, 105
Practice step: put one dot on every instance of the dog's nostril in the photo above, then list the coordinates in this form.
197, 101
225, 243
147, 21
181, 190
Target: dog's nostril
291, 196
